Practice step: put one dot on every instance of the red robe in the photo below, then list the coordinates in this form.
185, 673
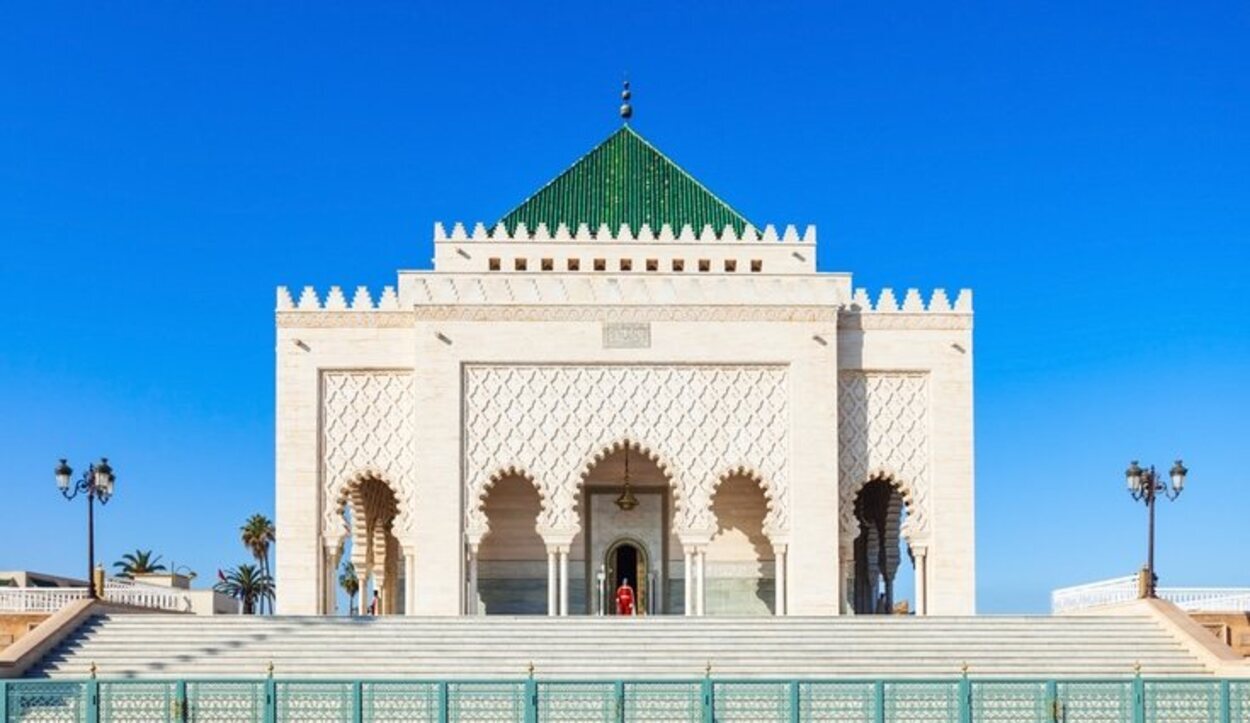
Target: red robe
624, 600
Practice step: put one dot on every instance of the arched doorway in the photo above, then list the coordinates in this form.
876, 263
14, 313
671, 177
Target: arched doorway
369, 508
626, 508
882, 558
511, 559
740, 562
626, 562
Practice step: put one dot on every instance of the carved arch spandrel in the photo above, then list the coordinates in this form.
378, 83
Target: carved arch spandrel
553, 420
367, 425
883, 433
480, 528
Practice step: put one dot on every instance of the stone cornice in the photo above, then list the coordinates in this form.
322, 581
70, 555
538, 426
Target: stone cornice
854, 320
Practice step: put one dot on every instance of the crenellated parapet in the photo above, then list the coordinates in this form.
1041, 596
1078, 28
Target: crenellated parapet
602, 234
911, 312
336, 300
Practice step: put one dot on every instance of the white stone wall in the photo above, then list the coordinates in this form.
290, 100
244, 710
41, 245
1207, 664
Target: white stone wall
805, 333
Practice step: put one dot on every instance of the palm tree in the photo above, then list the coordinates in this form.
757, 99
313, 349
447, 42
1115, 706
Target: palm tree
350, 585
257, 534
247, 584
138, 562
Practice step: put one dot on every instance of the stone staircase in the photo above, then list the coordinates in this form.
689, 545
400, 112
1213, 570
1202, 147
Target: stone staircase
165, 646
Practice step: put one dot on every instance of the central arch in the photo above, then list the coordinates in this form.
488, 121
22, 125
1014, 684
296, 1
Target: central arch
626, 496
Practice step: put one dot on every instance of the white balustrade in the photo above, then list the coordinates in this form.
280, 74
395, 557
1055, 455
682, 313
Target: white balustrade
1124, 589
122, 592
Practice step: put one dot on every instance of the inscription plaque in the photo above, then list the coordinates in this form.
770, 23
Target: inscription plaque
626, 335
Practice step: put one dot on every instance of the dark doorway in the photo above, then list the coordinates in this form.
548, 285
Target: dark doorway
626, 566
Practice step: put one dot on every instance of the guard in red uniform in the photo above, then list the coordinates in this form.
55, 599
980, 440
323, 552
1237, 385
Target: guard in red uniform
625, 599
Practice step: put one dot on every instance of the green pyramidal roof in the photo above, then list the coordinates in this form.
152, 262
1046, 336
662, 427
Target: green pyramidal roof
624, 180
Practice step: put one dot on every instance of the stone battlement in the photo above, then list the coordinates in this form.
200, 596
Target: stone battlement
887, 302
583, 233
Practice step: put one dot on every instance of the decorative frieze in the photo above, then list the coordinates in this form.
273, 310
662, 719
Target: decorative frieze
583, 234
366, 430
883, 431
700, 423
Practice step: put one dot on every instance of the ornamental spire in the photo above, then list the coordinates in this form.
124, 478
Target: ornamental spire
627, 110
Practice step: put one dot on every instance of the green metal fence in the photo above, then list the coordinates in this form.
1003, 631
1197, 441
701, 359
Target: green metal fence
526, 700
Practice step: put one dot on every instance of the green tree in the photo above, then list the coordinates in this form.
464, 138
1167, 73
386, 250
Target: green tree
246, 583
350, 584
137, 563
257, 534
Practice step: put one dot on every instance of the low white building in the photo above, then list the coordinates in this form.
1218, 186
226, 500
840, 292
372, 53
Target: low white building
624, 379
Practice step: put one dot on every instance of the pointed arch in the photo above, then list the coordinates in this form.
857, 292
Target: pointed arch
477, 525
914, 527
772, 507
594, 459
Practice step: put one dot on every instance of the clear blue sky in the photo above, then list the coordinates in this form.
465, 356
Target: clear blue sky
1085, 167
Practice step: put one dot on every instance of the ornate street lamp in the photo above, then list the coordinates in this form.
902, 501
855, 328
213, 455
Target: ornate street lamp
1144, 485
96, 483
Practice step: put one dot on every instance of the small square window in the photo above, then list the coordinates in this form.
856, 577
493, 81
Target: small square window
601, 264
519, 264
757, 265
574, 264
731, 265
627, 265
679, 264
705, 264
493, 264
548, 265
653, 265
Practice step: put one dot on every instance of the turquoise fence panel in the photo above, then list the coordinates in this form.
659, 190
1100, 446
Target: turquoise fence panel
486, 702
138, 701
309, 702
1184, 702
1011, 702
46, 701
1096, 702
399, 702
838, 703
676, 702
741, 702
578, 702
922, 702
1239, 700
225, 702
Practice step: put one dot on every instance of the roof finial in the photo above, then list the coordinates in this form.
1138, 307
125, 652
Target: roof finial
627, 110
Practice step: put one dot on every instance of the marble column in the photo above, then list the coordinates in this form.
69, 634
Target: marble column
363, 579
700, 567
553, 574
410, 583
564, 581
846, 576
471, 606
688, 581
779, 580
922, 574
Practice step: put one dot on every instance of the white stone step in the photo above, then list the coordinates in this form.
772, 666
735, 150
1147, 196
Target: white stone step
162, 646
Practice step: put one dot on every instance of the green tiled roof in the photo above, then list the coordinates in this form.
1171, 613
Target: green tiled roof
624, 180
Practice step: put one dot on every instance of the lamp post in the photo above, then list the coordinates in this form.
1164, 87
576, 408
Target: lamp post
1144, 485
96, 483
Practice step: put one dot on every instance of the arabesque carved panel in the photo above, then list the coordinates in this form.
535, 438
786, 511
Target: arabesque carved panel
700, 423
366, 427
883, 429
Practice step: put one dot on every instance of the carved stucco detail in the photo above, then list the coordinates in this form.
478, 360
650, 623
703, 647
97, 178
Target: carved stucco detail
553, 422
366, 430
883, 432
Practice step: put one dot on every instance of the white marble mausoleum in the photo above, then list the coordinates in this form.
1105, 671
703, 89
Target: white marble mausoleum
623, 378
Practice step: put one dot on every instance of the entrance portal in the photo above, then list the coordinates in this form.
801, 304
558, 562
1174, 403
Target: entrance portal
626, 562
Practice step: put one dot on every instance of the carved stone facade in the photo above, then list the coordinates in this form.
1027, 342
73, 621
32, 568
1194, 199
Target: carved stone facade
700, 422
366, 432
539, 354
883, 432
